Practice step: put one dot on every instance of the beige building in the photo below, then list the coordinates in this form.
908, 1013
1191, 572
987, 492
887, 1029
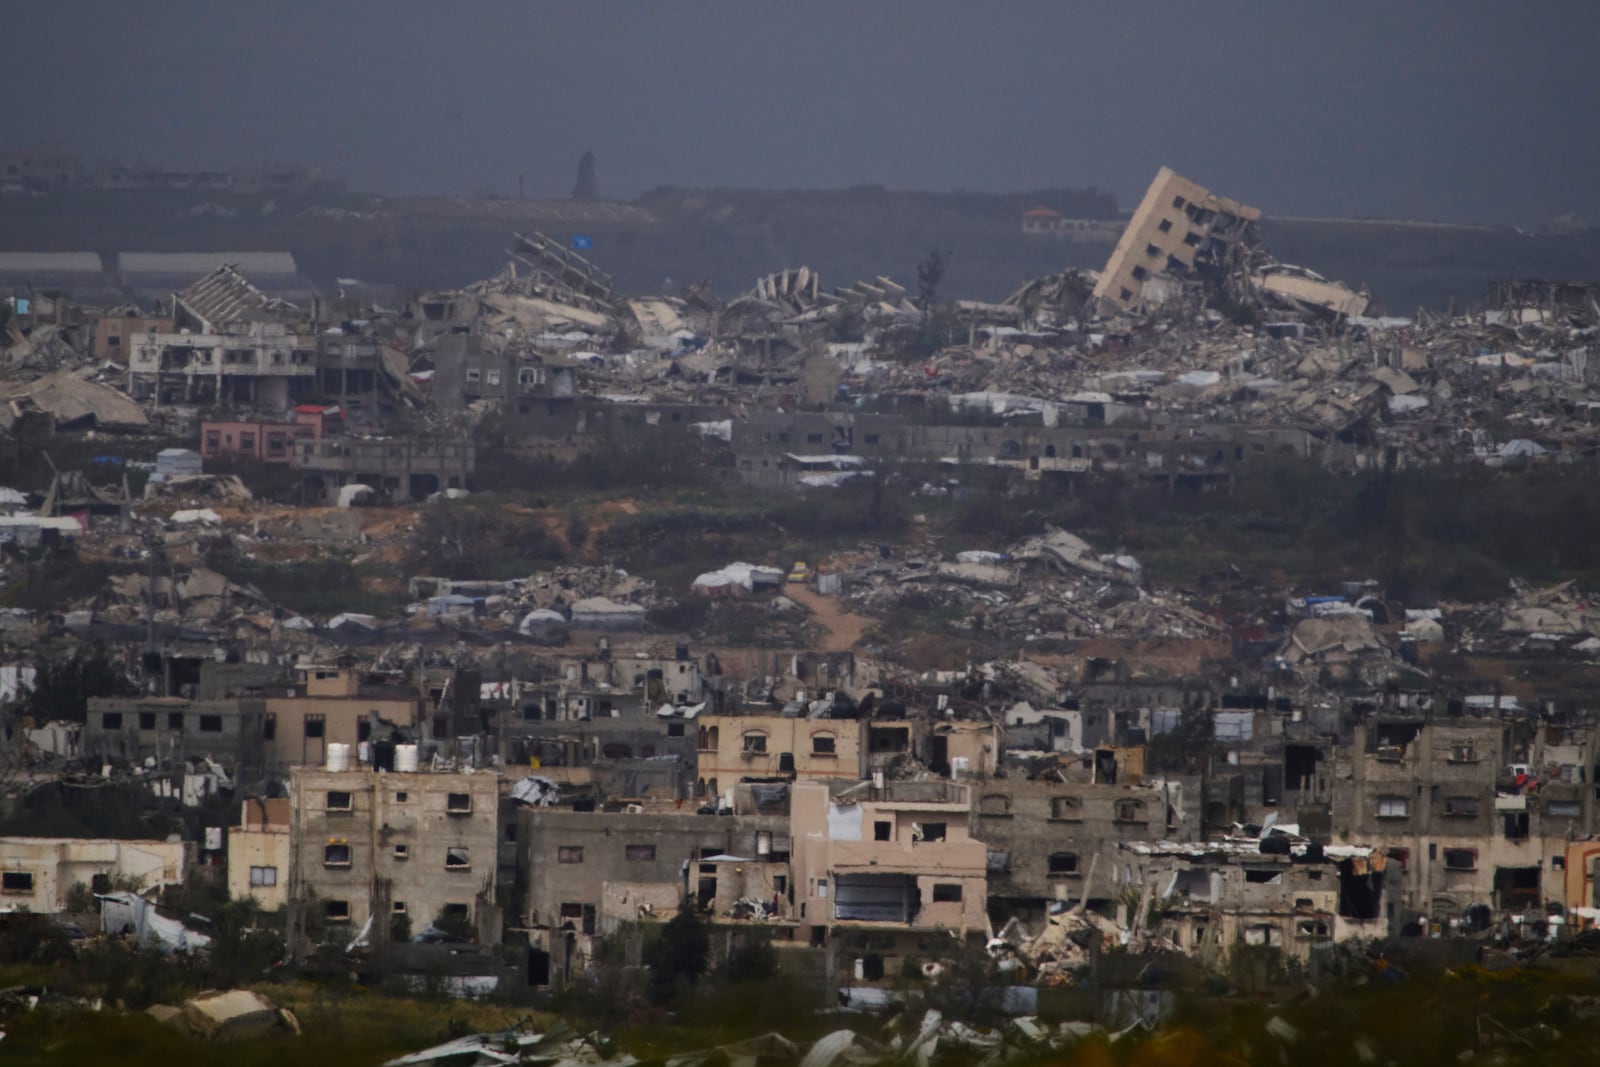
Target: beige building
36, 873
736, 747
1178, 225
375, 845
332, 705
258, 853
900, 856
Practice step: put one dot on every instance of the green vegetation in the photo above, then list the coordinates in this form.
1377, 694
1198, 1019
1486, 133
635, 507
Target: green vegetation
63, 685
680, 955
322, 587
674, 542
479, 538
1441, 532
59, 577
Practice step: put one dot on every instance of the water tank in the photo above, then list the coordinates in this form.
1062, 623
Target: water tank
405, 759
338, 757
383, 755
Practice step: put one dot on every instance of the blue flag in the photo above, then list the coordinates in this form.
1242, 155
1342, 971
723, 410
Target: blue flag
580, 242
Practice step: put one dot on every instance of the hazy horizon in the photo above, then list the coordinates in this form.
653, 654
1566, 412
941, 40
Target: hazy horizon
1431, 111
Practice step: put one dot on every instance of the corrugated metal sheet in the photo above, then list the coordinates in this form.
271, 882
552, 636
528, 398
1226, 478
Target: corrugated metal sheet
224, 296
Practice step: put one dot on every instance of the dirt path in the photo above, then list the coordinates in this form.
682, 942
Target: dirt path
844, 629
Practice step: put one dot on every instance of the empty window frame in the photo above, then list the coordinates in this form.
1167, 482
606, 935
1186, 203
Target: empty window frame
1063, 863
339, 800
336, 854
458, 803
456, 859
947, 892
1069, 809
994, 804
823, 744
755, 742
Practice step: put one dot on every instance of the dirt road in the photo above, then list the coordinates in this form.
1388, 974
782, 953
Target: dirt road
843, 629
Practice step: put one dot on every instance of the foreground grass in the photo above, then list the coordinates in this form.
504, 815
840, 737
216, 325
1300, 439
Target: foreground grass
352, 1027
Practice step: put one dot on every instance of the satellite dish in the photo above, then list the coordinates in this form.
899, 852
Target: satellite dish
1266, 824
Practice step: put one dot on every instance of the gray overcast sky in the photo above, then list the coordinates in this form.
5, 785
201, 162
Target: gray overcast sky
1436, 108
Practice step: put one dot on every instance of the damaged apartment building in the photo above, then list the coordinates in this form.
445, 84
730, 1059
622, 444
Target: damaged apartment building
380, 852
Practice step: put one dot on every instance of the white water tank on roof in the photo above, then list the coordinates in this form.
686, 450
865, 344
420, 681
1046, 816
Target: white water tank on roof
338, 757
405, 759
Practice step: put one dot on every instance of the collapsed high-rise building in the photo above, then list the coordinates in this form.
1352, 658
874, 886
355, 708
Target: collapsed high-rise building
1179, 227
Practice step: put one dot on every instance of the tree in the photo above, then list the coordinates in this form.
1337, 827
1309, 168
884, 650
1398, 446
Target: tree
681, 955
62, 686
455, 923
587, 187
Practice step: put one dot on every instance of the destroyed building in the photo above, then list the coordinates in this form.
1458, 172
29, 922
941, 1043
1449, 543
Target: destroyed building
1178, 227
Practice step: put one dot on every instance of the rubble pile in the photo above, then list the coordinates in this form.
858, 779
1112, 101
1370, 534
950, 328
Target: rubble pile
1052, 585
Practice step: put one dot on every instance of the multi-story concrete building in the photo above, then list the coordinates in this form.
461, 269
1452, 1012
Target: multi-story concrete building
893, 862
586, 874
1442, 797
733, 748
405, 468
336, 705
1051, 841
266, 441
1217, 898
376, 846
258, 364
233, 732
115, 335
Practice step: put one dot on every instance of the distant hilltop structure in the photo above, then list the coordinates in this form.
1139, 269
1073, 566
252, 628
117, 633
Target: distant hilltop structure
46, 168
1048, 222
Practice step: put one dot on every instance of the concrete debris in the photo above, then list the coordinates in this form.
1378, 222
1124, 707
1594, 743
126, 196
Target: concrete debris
1017, 1037
234, 1015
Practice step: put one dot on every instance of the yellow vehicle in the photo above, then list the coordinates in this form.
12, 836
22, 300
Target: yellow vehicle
799, 572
